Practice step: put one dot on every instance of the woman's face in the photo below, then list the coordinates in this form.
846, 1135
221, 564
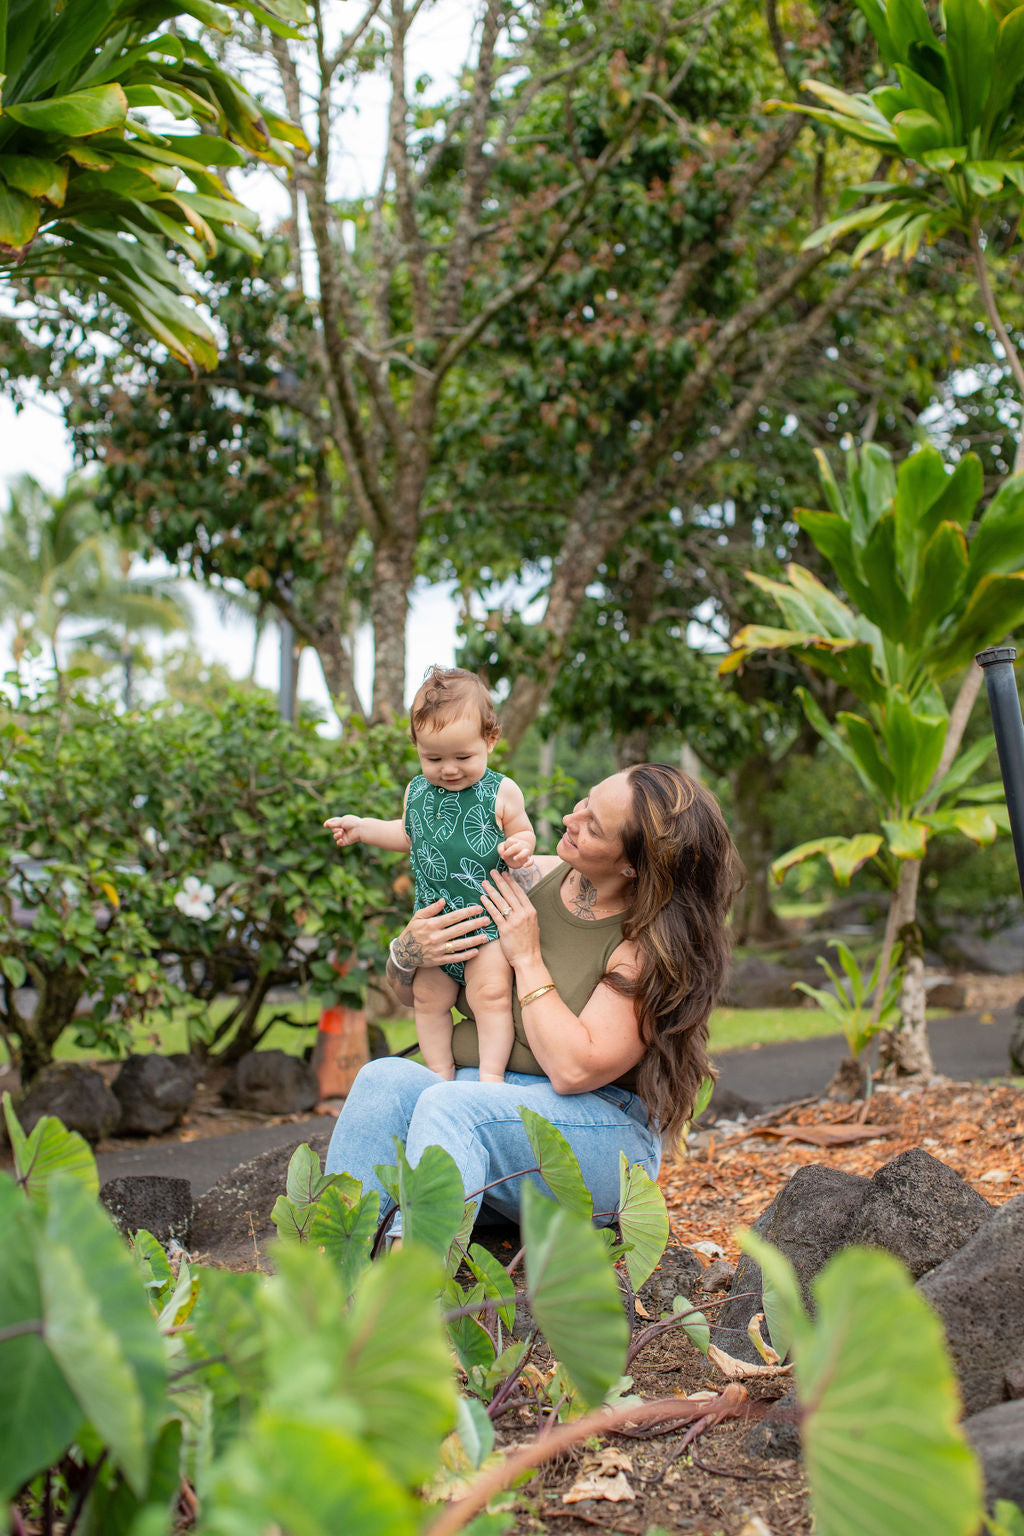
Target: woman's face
592, 840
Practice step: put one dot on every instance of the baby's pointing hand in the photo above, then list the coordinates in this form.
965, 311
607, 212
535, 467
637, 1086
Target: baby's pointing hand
344, 830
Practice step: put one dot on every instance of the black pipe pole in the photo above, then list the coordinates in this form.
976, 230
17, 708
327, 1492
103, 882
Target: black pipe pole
1001, 686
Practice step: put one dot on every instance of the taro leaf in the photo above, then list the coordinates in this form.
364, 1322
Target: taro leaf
557, 1163
50, 1149
229, 1322
882, 1446
703, 1099
345, 1233
100, 1329
38, 1412
432, 1198
1007, 1519
304, 1181
474, 1429
292, 1221
507, 1363
298, 1471
696, 1325
573, 1294
473, 1344
113, 1510
153, 1265
643, 1221
784, 1312
497, 1282
392, 1360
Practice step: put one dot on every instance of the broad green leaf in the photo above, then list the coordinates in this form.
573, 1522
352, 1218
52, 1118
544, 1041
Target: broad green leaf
643, 1221
907, 839
978, 822
300, 1471
995, 608
971, 32
474, 1429
1006, 1520
496, 1281
39, 1415
967, 764
432, 1199
573, 1294
13, 969
19, 218
882, 1445
473, 1344
864, 745
888, 606
695, 1326
78, 115
917, 131
305, 1182
1007, 70
345, 1232
392, 1360
703, 1099
99, 1327
941, 581
844, 854
49, 1150
784, 1311
293, 1222
35, 177
557, 1163
908, 24
997, 547
914, 744
833, 536
230, 1320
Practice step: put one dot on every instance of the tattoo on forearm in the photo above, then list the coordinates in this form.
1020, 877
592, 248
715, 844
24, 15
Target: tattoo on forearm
584, 898
407, 955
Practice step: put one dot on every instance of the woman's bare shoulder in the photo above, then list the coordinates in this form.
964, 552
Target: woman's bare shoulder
624, 959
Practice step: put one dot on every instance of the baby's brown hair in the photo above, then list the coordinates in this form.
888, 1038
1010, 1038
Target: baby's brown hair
448, 693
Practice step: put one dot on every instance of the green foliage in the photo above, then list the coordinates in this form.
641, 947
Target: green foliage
180, 837
90, 194
927, 597
878, 1398
851, 1005
952, 124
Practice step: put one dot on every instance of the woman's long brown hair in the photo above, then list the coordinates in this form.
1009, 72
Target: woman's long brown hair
687, 872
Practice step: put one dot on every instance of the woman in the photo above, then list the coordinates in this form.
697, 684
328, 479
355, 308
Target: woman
619, 947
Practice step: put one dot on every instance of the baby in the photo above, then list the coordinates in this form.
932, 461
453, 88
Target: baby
460, 819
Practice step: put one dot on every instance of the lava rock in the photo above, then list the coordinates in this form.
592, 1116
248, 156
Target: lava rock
77, 1095
776, 1437
1017, 1045
947, 994
757, 983
718, 1276
1000, 955
919, 1210
997, 1436
809, 1220
678, 1274
726, 1105
154, 1092
978, 1293
272, 1082
150, 1202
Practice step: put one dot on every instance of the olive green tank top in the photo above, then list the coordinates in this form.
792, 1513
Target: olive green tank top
575, 950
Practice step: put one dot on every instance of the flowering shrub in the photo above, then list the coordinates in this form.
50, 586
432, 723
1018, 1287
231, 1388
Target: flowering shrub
173, 854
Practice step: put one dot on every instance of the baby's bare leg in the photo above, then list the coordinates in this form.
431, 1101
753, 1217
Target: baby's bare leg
489, 990
433, 995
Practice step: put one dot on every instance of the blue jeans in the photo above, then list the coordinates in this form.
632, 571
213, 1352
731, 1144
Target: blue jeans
479, 1125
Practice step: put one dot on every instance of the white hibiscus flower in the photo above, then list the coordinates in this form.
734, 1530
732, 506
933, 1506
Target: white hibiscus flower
195, 899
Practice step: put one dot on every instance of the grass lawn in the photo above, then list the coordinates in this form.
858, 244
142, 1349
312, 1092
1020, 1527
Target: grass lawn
731, 1029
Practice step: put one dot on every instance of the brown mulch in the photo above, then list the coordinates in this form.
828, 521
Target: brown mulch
728, 1175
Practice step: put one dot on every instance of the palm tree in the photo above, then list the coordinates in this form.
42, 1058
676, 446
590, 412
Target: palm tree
59, 564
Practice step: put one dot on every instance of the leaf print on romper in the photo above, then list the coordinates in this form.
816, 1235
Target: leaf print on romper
481, 833
446, 815
471, 872
414, 827
433, 863
417, 789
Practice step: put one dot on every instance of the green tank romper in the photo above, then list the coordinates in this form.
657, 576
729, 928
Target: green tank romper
454, 841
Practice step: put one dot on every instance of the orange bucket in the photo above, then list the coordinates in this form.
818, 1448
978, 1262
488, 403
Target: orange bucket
342, 1047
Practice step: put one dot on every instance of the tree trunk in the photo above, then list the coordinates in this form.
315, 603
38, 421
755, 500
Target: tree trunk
905, 1051
634, 747
389, 608
752, 914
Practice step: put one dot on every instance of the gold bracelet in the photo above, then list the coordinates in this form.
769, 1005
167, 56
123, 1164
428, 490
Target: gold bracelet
531, 997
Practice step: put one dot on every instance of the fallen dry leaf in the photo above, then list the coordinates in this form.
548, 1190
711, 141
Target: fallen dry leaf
755, 1526
995, 1176
739, 1370
602, 1476
826, 1135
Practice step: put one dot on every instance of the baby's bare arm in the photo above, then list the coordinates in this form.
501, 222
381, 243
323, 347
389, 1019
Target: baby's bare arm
510, 813
389, 835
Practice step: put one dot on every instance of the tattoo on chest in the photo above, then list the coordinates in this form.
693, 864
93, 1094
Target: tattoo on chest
584, 899
526, 878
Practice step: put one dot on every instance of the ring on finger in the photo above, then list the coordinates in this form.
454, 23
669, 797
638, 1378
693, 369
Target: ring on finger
449, 947
505, 911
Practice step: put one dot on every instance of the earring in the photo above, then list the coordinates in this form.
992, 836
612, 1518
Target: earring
629, 873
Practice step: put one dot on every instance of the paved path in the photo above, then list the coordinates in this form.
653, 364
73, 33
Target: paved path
962, 1046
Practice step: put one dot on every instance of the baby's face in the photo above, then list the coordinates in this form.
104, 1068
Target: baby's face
455, 755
